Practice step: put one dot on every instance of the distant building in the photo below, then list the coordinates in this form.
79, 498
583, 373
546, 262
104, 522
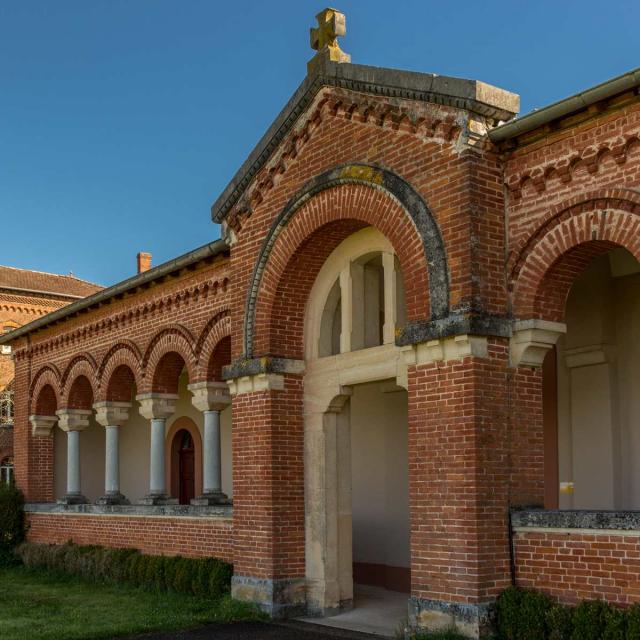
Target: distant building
24, 296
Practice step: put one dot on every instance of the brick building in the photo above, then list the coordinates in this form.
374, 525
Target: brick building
25, 295
410, 361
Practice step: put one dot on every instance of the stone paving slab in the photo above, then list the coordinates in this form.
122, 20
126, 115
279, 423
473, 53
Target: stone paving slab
258, 631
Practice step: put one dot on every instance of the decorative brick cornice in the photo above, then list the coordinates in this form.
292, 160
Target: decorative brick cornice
565, 167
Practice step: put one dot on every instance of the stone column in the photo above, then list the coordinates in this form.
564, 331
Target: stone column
73, 421
112, 415
211, 398
157, 407
390, 293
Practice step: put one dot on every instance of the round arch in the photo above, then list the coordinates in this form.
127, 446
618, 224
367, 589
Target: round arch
175, 339
124, 353
171, 468
334, 205
550, 262
217, 329
47, 377
80, 366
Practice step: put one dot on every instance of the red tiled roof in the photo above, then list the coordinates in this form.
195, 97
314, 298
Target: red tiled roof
25, 280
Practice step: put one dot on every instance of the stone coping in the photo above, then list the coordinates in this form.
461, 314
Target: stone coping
576, 519
167, 511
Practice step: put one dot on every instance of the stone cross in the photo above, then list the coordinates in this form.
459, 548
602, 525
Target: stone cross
324, 38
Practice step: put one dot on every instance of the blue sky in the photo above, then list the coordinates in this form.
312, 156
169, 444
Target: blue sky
122, 120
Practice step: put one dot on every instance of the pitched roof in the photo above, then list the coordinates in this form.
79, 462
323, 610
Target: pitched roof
24, 280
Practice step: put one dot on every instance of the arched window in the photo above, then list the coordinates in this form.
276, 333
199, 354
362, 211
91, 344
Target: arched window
6, 470
359, 297
6, 406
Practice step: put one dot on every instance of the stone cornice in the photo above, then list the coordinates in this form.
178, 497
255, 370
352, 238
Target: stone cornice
469, 95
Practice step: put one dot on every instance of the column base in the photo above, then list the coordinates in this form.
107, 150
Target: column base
211, 499
72, 498
284, 598
157, 499
469, 620
112, 498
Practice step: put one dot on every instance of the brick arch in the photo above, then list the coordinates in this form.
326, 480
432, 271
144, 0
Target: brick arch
125, 353
335, 204
81, 392
47, 378
174, 339
547, 268
218, 328
81, 365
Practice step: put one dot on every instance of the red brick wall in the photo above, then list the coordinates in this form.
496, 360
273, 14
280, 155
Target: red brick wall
579, 566
193, 537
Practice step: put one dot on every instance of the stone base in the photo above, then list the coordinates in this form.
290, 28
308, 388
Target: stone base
327, 612
210, 499
278, 598
73, 498
469, 620
112, 498
152, 500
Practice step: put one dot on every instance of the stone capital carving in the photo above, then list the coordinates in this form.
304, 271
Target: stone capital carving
259, 382
532, 339
41, 426
73, 419
210, 396
112, 414
157, 406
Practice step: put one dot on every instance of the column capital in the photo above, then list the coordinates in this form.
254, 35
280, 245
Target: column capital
73, 419
155, 406
210, 396
532, 339
112, 414
445, 349
41, 426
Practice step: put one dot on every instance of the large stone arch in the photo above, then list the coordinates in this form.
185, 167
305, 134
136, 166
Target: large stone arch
335, 204
218, 327
550, 261
172, 339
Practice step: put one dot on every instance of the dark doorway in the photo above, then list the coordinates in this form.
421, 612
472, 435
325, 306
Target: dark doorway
186, 467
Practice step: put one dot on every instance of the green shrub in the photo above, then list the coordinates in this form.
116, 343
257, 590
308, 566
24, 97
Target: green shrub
615, 624
633, 622
12, 520
206, 577
559, 623
508, 612
533, 615
589, 620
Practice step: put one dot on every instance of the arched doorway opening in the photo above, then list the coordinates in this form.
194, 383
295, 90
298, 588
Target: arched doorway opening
183, 459
590, 403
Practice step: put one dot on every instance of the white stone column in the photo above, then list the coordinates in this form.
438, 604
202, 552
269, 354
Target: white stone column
157, 407
390, 294
73, 421
112, 415
211, 398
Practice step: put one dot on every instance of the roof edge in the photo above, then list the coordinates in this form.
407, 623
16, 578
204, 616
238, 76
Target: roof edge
209, 250
566, 106
471, 95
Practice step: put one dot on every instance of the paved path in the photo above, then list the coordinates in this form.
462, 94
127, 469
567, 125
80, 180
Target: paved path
259, 631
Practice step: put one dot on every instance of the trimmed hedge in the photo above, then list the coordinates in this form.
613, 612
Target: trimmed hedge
207, 577
525, 615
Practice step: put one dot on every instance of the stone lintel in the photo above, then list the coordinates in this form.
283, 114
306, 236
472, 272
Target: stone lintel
210, 396
284, 598
155, 406
112, 414
469, 620
532, 339
41, 426
445, 349
252, 366
475, 323
73, 419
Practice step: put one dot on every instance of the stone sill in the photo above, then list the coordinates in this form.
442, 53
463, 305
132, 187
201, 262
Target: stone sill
575, 519
167, 511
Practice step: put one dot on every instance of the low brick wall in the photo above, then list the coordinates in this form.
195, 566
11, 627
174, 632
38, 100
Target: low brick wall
196, 537
575, 556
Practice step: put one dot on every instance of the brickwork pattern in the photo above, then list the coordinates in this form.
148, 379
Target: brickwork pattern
579, 566
192, 537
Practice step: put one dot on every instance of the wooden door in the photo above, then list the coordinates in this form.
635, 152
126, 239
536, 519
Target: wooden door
186, 469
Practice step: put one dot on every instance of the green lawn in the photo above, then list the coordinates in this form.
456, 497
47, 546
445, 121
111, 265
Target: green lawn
40, 606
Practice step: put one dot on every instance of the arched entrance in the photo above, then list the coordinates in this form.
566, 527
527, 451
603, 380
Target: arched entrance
183, 466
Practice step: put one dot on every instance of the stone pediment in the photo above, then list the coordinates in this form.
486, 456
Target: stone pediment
490, 103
